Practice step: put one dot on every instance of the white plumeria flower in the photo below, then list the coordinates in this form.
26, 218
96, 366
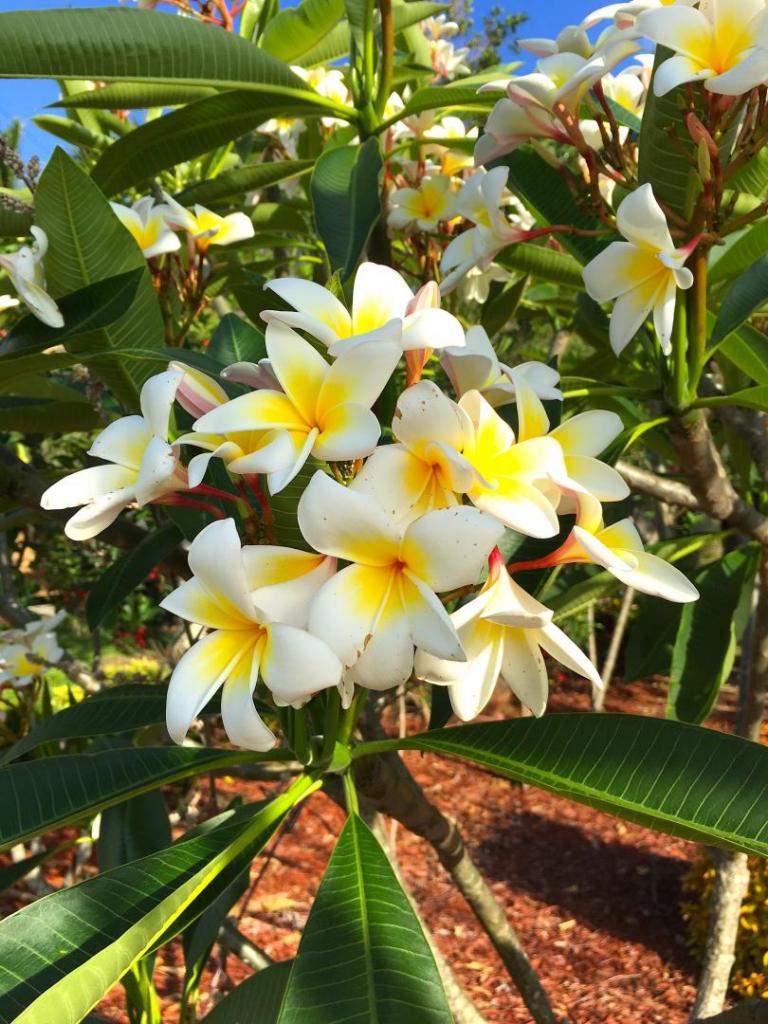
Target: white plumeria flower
148, 227
328, 82
383, 309
26, 653
8, 302
570, 39
141, 465
424, 470
244, 452
624, 15
424, 207
627, 89
206, 227
229, 594
287, 131
25, 269
642, 274
448, 60
517, 482
439, 27
503, 631
476, 367
323, 410
476, 284
725, 45
380, 607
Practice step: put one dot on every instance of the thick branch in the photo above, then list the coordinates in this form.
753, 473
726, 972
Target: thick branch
751, 1011
662, 489
387, 784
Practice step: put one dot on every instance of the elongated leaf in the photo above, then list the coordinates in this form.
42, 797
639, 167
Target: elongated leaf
334, 45
134, 96
235, 341
88, 244
345, 197
87, 309
363, 956
440, 97
667, 775
547, 264
133, 829
750, 398
37, 796
662, 164
32, 416
753, 176
744, 250
651, 638
70, 131
296, 30
546, 194
128, 572
747, 348
746, 295
79, 941
256, 1000
18, 869
135, 46
244, 179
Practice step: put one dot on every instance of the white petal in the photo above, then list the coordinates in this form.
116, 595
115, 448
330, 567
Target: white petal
630, 312
302, 448
431, 328
318, 311
555, 642
157, 475
746, 75
664, 316
240, 718
346, 609
507, 604
652, 575
348, 431
123, 442
98, 514
521, 507
235, 227
448, 548
359, 375
85, 485
620, 267
388, 657
157, 397
641, 220
296, 664
588, 433
380, 294
424, 414
215, 557
523, 669
285, 599
677, 71
300, 369
429, 623
275, 452
397, 481
603, 482
191, 601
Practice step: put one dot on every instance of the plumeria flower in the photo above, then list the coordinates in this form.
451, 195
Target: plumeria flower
383, 604
475, 286
424, 470
725, 45
570, 39
642, 273
141, 466
518, 482
26, 653
323, 410
446, 59
25, 269
424, 207
503, 631
383, 309
8, 302
229, 594
287, 131
624, 15
328, 82
626, 89
148, 227
206, 227
245, 452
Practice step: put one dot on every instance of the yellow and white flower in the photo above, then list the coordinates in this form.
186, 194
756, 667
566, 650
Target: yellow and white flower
424, 207
323, 410
380, 607
141, 465
625, 15
206, 227
25, 269
232, 593
642, 273
503, 631
724, 44
383, 309
148, 227
26, 653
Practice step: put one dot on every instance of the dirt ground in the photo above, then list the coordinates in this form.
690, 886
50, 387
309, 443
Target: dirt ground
594, 900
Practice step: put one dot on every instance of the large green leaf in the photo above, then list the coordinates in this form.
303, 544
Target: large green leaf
134, 96
236, 341
68, 130
136, 46
547, 264
88, 244
37, 796
79, 941
678, 778
363, 956
750, 398
133, 829
196, 128
296, 30
705, 646
346, 201
244, 179
753, 176
128, 572
256, 1000
40, 416
661, 162
746, 295
651, 638
743, 250
547, 195
747, 348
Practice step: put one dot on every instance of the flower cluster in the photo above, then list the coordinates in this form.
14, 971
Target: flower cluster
397, 529
26, 652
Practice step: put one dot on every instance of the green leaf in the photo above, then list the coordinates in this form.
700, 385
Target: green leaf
746, 295
363, 956
134, 96
136, 46
196, 128
244, 179
662, 164
747, 348
296, 30
623, 116
667, 775
129, 572
89, 244
81, 940
651, 638
546, 264
236, 341
750, 398
133, 829
70, 131
32, 416
346, 201
743, 250
334, 45
12, 873
256, 1000
38, 796
284, 507
705, 647
14, 223
87, 309
547, 195
440, 97
501, 305
753, 176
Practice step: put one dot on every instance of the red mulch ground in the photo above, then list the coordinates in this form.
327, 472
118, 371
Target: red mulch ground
595, 901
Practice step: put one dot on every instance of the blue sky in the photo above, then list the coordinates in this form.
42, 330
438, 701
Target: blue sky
27, 97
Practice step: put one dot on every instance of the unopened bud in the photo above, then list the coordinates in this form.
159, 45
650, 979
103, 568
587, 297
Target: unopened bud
704, 162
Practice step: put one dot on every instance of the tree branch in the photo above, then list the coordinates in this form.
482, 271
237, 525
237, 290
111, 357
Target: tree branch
672, 492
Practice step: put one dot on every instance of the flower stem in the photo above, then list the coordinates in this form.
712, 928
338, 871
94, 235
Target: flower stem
350, 793
387, 55
679, 364
697, 320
